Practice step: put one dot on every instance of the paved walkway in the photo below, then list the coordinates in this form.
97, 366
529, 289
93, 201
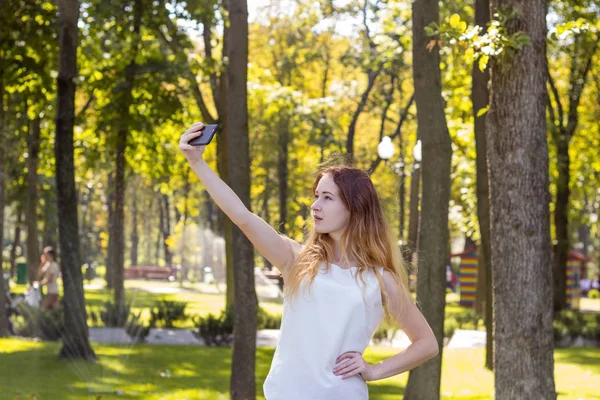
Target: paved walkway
264, 338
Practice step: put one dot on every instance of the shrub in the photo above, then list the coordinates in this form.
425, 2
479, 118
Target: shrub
450, 326
216, 331
33, 322
594, 294
264, 320
113, 316
165, 313
136, 330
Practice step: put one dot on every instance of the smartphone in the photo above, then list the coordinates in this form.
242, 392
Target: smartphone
207, 134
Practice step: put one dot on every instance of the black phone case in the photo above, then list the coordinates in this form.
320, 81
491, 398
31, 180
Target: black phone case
207, 134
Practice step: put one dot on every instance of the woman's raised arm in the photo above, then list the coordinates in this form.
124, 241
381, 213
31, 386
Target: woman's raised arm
279, 250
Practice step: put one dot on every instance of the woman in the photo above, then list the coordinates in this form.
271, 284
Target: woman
49, 273
337, 285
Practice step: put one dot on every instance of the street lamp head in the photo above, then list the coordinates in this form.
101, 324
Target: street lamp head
417, 151
385, 149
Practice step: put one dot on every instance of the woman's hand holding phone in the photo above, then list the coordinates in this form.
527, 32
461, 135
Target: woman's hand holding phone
192, 153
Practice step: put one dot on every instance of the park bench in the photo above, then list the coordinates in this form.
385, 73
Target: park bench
150, 272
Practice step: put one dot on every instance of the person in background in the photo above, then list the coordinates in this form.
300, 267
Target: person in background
49, 274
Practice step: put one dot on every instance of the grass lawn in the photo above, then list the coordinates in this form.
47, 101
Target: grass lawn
31, 370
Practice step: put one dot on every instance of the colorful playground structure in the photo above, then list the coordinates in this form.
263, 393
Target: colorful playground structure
467, 277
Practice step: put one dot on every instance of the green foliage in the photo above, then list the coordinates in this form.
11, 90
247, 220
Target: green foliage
570, 324
136, 329
114, 316
165, 313
216, 330
45, 324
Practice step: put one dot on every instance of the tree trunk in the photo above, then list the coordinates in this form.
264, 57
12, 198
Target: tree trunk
33, 245
3, 314
561, 223
110, 205
75, 336
135, 237
16, 240
166, 233
50, 234
413, 210
424, 381
125, 100
480, 98
371, 77
243, 385
520, 218
282, 171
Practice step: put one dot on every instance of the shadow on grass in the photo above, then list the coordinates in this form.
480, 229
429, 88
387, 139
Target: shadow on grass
581, 356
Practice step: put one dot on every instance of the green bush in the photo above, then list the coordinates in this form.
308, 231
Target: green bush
113, 316
264, 320
216, 331
570, 324
33, 322
450, 326
164, 313
135, 329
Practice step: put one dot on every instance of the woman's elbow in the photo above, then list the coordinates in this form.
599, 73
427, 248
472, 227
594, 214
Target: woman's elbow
433, 348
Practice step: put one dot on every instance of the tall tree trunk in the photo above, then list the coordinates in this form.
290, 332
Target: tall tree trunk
480, 98
75, 336
50, 233
3, 314
243, 385
135, 237
265, 212
372, 75
33, 245
520, 218
563, 129
125, 100
424, 381
16, 240
282, 171
110, 251
167, 229
561, 223
413, 210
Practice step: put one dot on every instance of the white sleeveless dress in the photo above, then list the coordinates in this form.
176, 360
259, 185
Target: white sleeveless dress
338, 314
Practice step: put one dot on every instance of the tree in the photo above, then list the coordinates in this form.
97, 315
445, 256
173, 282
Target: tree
244, 341
480, 99
519, 203
564, 121
75, 336
31, 215
424, 381
3, 314
124, 97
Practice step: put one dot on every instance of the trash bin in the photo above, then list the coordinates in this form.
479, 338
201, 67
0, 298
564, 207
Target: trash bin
21, 273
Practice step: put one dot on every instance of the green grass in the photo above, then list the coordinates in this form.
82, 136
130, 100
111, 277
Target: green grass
31, 370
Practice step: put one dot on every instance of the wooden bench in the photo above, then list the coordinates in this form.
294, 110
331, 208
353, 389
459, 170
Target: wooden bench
150, 272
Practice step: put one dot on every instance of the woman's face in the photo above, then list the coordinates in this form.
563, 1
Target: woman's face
43, 258
47, 257
328, 211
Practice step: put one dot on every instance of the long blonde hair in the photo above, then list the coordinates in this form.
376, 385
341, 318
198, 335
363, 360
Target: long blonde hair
366, 238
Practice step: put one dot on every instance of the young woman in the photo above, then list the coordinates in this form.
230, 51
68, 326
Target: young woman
336, 286
49, 273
